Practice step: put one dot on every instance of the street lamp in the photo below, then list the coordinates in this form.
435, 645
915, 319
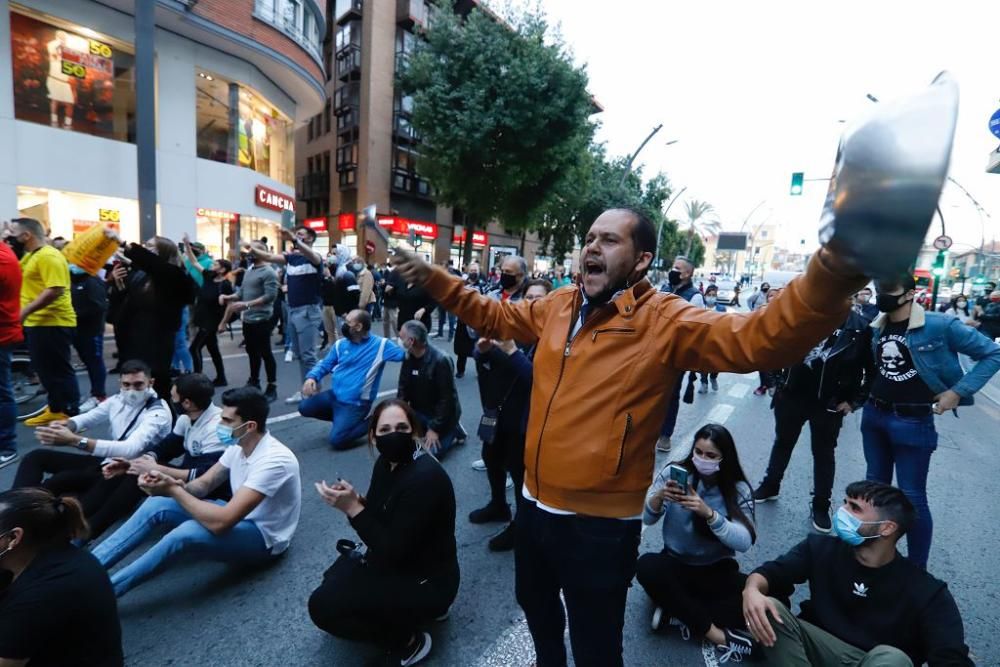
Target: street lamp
631, 158
659, 228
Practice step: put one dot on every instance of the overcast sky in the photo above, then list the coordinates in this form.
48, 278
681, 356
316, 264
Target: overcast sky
753, 91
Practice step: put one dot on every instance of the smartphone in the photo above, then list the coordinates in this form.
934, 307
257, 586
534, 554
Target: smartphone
679, 475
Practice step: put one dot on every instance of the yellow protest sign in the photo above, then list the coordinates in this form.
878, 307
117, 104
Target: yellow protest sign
90, 249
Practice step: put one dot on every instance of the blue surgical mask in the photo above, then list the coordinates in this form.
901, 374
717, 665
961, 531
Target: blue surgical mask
846, 525
226, 436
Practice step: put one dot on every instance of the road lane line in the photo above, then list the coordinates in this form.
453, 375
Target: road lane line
292, 415
739, 390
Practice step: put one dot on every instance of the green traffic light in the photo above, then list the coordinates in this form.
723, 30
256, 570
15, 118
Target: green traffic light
797, 180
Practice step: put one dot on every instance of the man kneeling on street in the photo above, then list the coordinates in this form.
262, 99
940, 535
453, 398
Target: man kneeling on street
427, 383
870, 606
137, 418
252, 528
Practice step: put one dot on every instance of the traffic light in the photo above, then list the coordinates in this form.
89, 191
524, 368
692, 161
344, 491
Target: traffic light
938, 268
797, 178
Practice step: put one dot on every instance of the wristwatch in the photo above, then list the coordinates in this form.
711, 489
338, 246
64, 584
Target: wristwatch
82, 445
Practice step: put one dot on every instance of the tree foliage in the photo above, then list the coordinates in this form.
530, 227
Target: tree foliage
502, 112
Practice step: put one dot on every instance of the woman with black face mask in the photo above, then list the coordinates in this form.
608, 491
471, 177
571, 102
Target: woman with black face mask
406, 575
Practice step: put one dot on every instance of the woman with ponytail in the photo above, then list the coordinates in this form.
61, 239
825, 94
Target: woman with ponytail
56, 602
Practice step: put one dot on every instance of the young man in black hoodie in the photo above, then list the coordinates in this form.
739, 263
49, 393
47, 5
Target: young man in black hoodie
869, 606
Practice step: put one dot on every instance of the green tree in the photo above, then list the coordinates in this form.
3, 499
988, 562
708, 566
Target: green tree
502, 112
701, 221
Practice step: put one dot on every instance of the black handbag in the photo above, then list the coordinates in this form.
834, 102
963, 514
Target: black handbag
487, 430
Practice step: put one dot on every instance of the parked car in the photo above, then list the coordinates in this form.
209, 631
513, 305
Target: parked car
727, 292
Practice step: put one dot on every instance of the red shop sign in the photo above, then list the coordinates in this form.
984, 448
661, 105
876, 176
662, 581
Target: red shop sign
478, 238
346, 222
315, 224
274, 200
403, 227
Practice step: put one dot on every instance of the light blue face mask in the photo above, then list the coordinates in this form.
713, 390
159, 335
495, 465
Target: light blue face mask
226, 436
76, 270
846, 525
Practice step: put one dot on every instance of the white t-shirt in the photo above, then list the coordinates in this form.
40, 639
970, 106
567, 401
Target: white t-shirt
272, 470
200, 438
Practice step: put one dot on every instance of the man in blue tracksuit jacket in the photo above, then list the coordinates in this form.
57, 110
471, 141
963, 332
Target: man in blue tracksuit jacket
356, 361
917, 375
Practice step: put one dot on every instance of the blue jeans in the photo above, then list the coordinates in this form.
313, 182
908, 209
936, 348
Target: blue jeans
242, 544
350, 422
182, 360
303, 327
8, 410
90, 349
452, 320
905, 443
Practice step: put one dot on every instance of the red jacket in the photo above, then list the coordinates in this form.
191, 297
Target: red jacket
10, 297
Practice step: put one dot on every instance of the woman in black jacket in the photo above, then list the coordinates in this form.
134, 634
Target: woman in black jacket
147, 299
408, 575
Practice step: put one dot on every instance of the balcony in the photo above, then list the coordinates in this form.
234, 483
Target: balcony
345, 97
412, 13
409, 183
348, 10
348, 121
403, 130
297, 22
348, 179
313, 186
347, 157
349, 64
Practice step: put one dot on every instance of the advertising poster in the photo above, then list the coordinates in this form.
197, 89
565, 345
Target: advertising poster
67, 80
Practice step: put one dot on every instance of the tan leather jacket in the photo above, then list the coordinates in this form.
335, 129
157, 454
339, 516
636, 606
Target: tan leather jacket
600, 396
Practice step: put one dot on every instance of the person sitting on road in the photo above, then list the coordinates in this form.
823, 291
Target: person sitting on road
408, 576
869, 606
356, 362
59, 609
696, 579
426, 382
138, 419
252, 528
194, 438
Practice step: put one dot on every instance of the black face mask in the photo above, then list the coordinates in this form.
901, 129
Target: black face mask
474, 277
396, 447
674, 277
346, 330
886, 303
16, 245
764, 289
507, 281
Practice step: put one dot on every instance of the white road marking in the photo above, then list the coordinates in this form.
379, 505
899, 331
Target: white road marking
739, 390
292, 415
720, 413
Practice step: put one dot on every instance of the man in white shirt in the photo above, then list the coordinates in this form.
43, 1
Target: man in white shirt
136, 418
253, 527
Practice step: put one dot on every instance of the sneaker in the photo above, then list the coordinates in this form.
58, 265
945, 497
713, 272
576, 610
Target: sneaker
504, 540
490, 513
765, 492
91, 403
771, 390
821, 516
657, 618
271, 393
739, 644
294, 398
6, 458
510, 482
46, 417
715, 383
253, 383
220, 382
417, 651
684, 630
479, 465
663, 444
289, 356
760, 391
459, 375
703, 389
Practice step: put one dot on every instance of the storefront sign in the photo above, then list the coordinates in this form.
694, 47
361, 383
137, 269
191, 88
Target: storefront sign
346, 222
218, 215
109, 215
315, 224
274, 200
479, 239
405, 226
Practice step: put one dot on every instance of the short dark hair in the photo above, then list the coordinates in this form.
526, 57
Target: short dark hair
539, 282
31, 225
711, 288
310, 232
250, 404
195, 387
225, 264
891, 503
135, 366
365, 319
907, 282
643, 230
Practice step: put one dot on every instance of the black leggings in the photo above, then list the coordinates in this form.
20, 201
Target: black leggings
207, 337
356, 601
699, 596
258, 338
504, 455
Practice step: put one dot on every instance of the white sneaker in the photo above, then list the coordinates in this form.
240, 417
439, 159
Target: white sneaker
89, 404
479, 465
663, 444
657, 618
510, 482
420, 651
289, 355
294, 398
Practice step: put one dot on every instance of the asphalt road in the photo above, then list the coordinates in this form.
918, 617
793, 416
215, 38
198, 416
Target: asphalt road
209, 614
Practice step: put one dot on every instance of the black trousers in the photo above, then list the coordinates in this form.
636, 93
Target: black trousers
790, 414
697, 595
504, 455
592, 561
258, 338
207, 337
104, 501
356, 601
49, 348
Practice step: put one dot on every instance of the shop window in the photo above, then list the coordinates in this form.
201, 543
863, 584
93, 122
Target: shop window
71, 81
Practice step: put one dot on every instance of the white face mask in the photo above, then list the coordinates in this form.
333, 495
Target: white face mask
706, 467
133, 397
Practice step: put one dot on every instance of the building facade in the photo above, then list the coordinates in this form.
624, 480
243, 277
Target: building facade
234, 78
361, 150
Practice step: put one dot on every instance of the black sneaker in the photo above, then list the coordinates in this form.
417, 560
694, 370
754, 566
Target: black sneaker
821, 516
504, 540
416, 651
739, 645
220, 382
271, 393
6, 458
766, 492
490, 513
